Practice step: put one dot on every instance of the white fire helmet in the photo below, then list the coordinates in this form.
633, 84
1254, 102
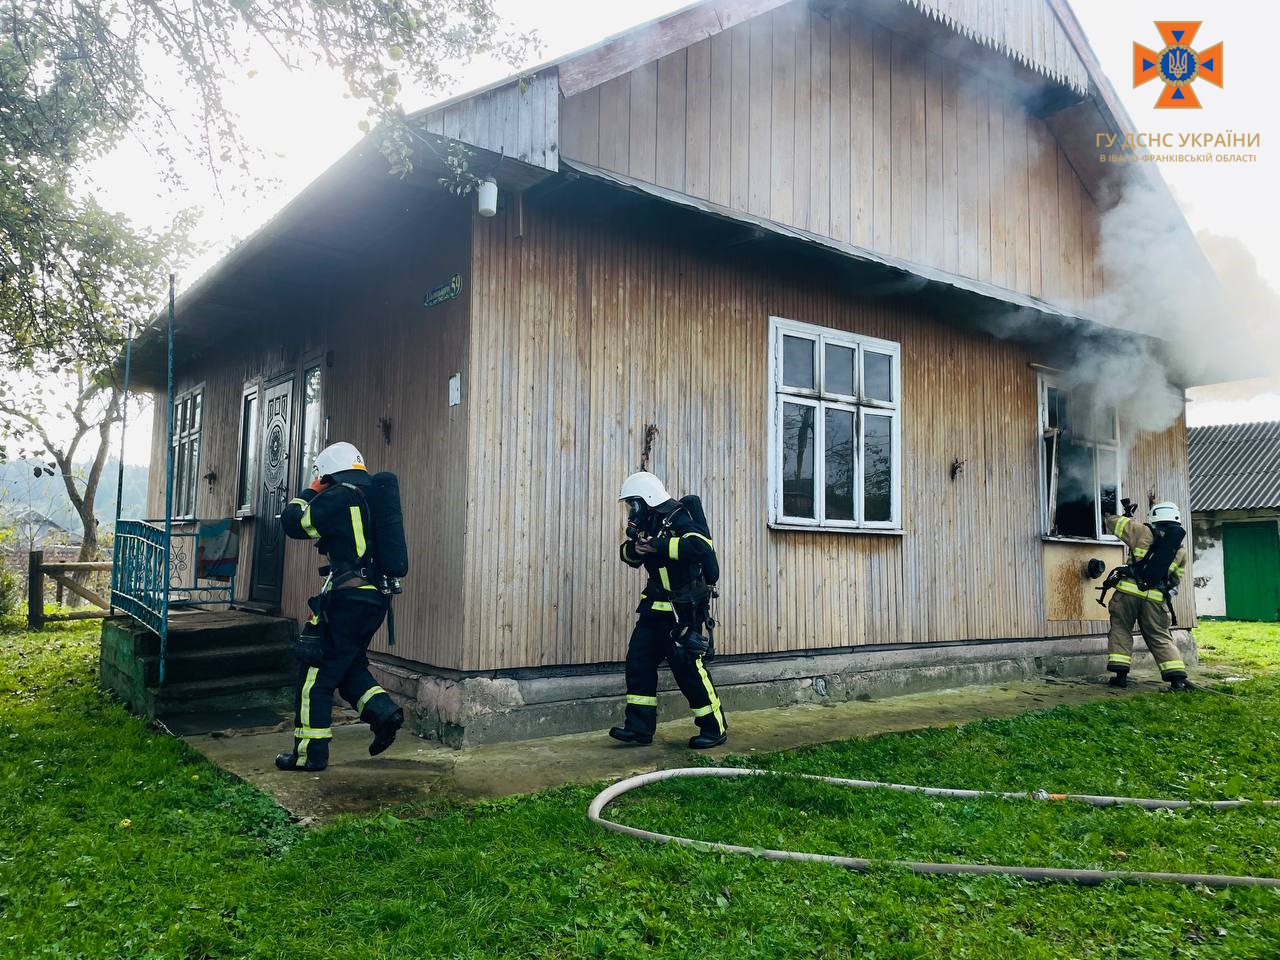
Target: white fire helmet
1165, 511
645, 486
336, 458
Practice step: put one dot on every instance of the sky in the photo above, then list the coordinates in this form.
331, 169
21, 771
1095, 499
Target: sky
302, 123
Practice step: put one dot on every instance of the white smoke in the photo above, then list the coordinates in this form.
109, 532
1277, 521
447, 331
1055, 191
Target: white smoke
1169, 319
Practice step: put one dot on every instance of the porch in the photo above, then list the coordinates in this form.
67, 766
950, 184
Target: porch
180, 652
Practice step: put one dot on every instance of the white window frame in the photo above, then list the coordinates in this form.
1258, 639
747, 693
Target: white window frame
244, 476
1046, 380
187, 493
821, 400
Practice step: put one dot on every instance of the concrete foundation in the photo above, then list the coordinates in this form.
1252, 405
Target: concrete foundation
460, 710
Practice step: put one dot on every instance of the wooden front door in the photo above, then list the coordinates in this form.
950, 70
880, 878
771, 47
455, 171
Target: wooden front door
1251, 562
273, 492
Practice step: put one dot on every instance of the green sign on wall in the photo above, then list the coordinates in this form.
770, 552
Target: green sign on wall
446, 291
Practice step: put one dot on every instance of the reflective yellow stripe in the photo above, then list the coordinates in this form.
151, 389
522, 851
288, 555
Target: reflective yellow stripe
1172, 665
711, 693
1128, 586
304, 709
673, 548
366, 586
664, 606
666, 580
307, 528
1139, 552
1119, 658
301, 749
703, 711
368, 695
357, 530
313, 733
1176, 570
1121, 523
299, 501
706, 540
315, 618
640, 700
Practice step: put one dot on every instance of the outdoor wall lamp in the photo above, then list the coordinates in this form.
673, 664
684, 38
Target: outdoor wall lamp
487, 197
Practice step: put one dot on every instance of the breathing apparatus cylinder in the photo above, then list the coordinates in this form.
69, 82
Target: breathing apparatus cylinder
390, 549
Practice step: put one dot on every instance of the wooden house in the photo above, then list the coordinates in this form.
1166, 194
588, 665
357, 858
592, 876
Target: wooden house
783, 233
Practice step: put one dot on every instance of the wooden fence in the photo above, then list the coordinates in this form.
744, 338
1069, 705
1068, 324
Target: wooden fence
61, 574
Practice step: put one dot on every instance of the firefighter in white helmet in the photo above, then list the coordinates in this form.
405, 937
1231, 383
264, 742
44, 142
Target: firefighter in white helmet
670, 539
334, 513
1144, 590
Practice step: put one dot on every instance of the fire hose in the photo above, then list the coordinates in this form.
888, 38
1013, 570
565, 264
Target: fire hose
1083, 877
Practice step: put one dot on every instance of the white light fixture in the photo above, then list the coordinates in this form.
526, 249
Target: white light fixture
487, 195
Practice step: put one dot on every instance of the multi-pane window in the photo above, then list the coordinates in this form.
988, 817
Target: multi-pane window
248, 475
835, 447
187, 417
1080, 461
312, 424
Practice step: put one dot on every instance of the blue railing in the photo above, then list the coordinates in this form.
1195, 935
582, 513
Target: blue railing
152, 573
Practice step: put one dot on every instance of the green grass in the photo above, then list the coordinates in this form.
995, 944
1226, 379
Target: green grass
116, 841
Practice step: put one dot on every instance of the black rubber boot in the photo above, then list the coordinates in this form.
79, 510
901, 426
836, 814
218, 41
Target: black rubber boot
630, 736
708, 739
1179, 685
289, 761
384, 731
1119, 679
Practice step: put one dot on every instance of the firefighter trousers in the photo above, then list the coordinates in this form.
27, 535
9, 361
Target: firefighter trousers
650, 644
333, 655
1153, 620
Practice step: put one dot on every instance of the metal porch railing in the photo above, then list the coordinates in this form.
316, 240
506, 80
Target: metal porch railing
154, 572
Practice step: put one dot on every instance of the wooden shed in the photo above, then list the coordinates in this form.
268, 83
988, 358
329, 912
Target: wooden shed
795, 236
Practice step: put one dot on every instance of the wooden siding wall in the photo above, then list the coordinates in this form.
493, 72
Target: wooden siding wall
393, 359
520, 120
839, 126
590, 332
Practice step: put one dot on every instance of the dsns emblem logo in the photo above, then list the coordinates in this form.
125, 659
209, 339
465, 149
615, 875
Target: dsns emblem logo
1177, 64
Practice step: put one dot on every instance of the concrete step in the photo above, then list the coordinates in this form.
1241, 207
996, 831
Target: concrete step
243, 691
220, 662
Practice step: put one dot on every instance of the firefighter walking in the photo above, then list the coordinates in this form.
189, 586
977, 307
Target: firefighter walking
1144, 589
670, 539
334, 513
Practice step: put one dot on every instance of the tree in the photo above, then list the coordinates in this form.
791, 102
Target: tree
77, 76
67, 415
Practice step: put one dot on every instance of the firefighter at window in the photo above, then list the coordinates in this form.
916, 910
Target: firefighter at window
670, 539
1144, 591
334, 512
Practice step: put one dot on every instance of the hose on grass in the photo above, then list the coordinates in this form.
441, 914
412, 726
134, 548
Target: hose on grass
595, 813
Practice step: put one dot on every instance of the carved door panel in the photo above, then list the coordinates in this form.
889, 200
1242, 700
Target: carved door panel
273, 492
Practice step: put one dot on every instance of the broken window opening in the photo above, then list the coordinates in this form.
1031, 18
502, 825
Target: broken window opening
1081, 462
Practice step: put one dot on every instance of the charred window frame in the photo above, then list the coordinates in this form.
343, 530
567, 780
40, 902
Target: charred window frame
247, 472
1080, 462
835, 437
188, 419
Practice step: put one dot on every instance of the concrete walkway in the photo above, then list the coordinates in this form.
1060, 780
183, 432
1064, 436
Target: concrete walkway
415, 770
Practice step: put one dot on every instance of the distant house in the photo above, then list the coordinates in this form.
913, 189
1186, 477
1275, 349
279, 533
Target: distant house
34, 531
1235, 504
776, 231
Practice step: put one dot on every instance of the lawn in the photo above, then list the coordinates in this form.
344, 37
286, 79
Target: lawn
116, 841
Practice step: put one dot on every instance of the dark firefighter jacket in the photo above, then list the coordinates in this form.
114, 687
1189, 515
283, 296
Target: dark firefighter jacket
338, 520
684, 551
